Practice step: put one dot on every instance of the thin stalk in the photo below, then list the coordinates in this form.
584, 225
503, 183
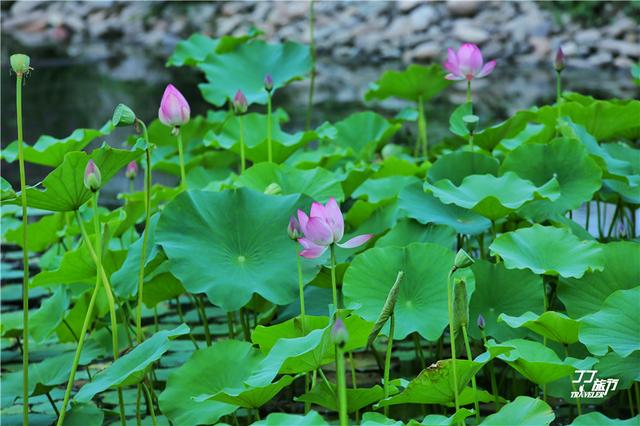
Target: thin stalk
573, 386
422, 127
588, 213
312, 45
145, 237
418, 349
342, 387
243, 161
53, 404
269, 124
151, 408
473, 378
245, 325
558, 98
138, 404
301, 290
636, 388
387, 360
334, 286
544, 338
205, 320
156, 323
230, 324
469, 91
492, 373
630, 396
325, 380
599, 221
616, 213
183, 174
131, 187
181, 316
25, 256
453, 342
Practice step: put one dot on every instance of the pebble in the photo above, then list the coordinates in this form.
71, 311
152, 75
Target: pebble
462, 7
466, 32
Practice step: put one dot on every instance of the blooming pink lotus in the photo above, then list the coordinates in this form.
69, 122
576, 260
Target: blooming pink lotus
467, 63
174, 109
323, 227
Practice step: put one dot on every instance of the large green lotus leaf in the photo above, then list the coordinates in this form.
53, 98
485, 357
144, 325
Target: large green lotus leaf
325, 396
550, 324
41, 234
408, 231
199, 47
371, 418
626, 369
604, 119
353, 175
232, 245
496, 294
440, 420
523, 411
425, 208
363, 132
131, 363
6, 190
513, 127
530, 134
161, 285
312, 418
64, 186
413, 83
245, 67
565, 159
548, 250
586, 295
629, 188
598, 419
378, 190
254, 127
457, 165
534, 361
233, 358
317, 183
267, 336
614, 326
491, 196
50, 151
457, 125
422, 299
84, 415
50, 314
254, 397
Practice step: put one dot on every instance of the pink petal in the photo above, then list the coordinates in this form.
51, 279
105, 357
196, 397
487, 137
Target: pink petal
317, 210
334, 219
174, 109
356, 241
486, 69
454, 77
451, 64
302, 219
311, 250
318, 231
469, 59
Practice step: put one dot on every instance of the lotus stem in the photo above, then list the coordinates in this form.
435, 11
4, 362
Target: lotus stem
25, 256
230, 324
183, 174
342, 387
312, 45
354, 383
269, 124
334, 285
573, 386
387, 360
558, 98
492, 373
181, 316
205, 320
422, 128
418, 349
473, 378
243, 161
245, 325
301, 290
151, 408
544, 338
469, 101
453, 340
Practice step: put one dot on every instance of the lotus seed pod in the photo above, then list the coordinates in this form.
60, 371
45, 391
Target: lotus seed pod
20, 63
462, 260
471, 122
92, 177
123, 116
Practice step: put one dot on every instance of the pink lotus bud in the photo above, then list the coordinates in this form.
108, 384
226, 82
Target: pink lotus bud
240, 102
131, 171
339, 333
467, 63
559, 64
174, 109
294, 230
481, 322
268, 83
92, 177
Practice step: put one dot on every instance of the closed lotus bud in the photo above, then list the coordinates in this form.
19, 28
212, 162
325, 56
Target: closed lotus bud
460, 305
268, 83
92, 177
471, 122
481, 322
294, 230
131, 171
123, 116
174, 109
559, 62
273, 189
240, 103
20, 63
339, 333
462, 260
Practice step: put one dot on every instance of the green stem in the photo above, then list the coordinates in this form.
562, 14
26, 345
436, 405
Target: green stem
312, 45
334, 286
544, 338
422, 127
588, 214
243, 161
205, 320
151, 408
181, 316
387, 360
183, 174
53, 404
473, 378
342, 387
230, 324
418, 348
245, 325
131, 187
25, 257
558, 99
573, 386
469, 93
453, 341
138, 403
492, 373
301, 290
269, 124
637, 391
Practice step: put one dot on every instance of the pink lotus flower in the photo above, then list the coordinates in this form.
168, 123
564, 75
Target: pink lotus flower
131, 171
467, 63
174, 109
323, 227
558, 64
240, 102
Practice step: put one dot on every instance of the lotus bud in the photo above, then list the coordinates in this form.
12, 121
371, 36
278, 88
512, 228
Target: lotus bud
131, 171
240, 103
471, 122
92, 177
123, 116
174, 109
294, 229
559, 63
481, 322
339, 333
273, 189
460, 305
462, 260
20, 63
268, 83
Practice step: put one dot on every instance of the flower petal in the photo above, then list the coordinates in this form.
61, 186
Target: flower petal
451, 64
356, 241
302, 219
318, 231
454, 77
469, 59
334, 218
487, 69
311, 250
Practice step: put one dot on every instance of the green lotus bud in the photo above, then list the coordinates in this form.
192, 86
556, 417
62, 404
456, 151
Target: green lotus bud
273, 189
462, 260
471, 122
387, 308
481, 322
20, 63
92, 177
339, 333
460, 305
123, 116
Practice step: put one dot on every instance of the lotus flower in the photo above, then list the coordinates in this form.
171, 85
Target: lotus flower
481, 322
240, 102
339, 333
324, 226
174, 109
467, 63
92, 176
559, 64
268, 82
132, 170
294, 230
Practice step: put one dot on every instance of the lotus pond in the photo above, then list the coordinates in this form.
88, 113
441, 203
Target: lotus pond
362, 271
